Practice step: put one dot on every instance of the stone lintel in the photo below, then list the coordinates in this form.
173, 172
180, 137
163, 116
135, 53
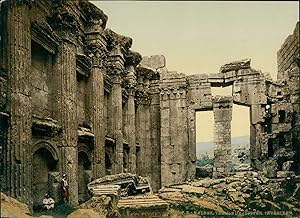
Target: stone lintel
42, 34
83, 65
235, 65
224, 100
153, 62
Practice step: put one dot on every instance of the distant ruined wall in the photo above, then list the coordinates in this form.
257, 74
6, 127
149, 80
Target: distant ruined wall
287, 54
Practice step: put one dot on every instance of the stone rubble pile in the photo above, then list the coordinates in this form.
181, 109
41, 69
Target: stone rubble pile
244, 191
126, 195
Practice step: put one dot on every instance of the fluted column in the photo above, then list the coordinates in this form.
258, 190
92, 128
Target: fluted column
18, 153
118, 48
116, 93
129, 119
65, 77
97, 52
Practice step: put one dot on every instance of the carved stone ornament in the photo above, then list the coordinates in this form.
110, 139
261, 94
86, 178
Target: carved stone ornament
64, 21
133, 58
116, 40
93, 14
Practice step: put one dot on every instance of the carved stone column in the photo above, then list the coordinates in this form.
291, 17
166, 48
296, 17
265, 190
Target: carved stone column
65, 98
222, 107
97, 52
155, 135
129, 119
118, 48
132, 60
18, 153
116, 93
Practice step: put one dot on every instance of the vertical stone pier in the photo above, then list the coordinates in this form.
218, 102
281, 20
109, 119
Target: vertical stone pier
132, 60
97, 51
129, 119
116, 93
222, 108
18, 171
65, 75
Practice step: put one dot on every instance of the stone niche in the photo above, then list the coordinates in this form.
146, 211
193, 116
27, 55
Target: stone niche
42, 83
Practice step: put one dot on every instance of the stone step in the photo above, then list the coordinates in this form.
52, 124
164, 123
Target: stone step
142, 202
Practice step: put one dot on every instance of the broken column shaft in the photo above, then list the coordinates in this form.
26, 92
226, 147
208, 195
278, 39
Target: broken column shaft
222, 107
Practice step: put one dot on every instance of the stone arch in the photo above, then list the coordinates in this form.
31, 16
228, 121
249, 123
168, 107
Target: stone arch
44, 165
84, 173
47, 145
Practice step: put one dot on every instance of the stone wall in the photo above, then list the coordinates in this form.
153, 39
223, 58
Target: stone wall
287, 54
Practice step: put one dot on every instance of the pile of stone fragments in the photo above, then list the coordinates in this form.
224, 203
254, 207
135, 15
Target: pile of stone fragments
124, 195
244, 191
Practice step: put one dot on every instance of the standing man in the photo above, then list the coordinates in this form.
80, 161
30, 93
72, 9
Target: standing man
65, 188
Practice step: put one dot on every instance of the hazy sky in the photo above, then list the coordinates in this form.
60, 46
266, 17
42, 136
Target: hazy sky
198, 37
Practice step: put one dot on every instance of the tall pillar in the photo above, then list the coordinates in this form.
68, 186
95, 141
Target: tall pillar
129, 119
66, 79
155, 136
97, 51
119, 46
116, 93
18, 153
222, 107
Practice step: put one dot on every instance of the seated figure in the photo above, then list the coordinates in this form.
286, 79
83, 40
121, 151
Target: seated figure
48, 202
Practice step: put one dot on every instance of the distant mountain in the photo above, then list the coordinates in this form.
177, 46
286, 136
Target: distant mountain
208, 147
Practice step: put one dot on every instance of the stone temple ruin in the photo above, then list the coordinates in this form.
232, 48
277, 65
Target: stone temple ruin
75, 99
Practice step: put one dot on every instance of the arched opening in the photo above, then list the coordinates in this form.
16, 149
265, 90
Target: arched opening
42, 165
125, 158
84, 172
108, 164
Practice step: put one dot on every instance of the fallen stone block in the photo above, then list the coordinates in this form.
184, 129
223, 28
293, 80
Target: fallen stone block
143, 206
193, 189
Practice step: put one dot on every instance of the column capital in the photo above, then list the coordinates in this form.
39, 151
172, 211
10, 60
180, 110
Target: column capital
116, 75
97, 53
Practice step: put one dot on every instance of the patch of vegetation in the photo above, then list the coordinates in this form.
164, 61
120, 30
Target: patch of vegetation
204, 160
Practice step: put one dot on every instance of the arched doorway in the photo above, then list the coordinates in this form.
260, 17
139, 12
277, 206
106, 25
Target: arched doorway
44, 162
108, 163
84, 175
